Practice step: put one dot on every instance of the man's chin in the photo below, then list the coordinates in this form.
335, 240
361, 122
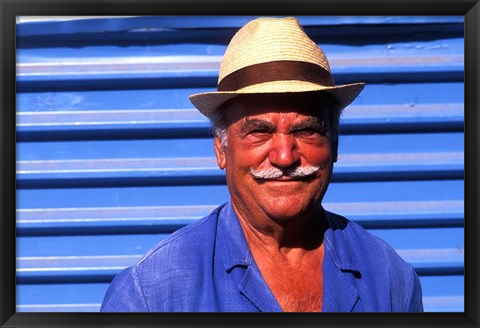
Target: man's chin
287, 214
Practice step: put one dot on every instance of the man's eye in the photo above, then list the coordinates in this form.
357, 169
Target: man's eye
260, 132
307, 132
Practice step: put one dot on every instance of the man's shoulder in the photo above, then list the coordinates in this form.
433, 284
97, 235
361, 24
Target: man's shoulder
346, 228
359, 242
384, 277
165, 270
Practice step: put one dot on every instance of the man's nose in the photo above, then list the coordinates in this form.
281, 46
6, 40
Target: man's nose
284, 151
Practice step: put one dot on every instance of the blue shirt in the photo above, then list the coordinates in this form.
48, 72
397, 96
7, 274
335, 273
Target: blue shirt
207, 266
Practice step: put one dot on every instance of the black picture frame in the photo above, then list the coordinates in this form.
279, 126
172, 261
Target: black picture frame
470, 9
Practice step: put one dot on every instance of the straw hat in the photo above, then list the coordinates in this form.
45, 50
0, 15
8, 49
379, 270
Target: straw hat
273, 55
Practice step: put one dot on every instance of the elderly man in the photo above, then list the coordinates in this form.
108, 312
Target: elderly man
272, 247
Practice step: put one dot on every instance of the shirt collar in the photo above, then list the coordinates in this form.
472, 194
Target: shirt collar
336, 243
340, 294
233, 244
236, 252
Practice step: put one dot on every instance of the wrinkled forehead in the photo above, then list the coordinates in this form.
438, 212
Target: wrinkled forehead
257, 106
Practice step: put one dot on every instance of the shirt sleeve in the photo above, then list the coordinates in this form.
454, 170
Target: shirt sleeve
125, 294
414, 299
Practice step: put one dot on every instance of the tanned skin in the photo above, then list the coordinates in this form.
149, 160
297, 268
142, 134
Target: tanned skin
281, 218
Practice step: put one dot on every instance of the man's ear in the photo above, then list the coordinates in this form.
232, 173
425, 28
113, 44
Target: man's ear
219, 152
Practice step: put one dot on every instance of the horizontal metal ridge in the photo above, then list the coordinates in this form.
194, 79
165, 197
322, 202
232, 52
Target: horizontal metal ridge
430, 303
197, 211
209, 163
138, 67
369, 214
100, 262
53, 307
85, 263
444, 303
36, 25
183, 116
120, 213
433, 260
348, 166
432, 256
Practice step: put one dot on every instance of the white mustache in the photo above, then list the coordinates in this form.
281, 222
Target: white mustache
276, 173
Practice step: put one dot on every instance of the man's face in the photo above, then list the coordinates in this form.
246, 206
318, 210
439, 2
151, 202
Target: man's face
269, 135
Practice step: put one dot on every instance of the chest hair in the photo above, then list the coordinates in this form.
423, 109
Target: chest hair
297, 289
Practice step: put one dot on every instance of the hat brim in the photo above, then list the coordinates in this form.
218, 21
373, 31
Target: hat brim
209, 102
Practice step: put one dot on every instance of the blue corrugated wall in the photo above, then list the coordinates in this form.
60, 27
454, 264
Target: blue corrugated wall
112, 157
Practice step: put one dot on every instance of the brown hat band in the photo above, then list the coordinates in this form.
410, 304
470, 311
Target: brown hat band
275, 71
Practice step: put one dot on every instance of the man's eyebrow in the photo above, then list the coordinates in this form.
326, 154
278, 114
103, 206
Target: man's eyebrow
313, 122
254, 124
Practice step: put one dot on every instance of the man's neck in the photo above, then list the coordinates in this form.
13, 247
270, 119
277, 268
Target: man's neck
288, 252
288, 238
